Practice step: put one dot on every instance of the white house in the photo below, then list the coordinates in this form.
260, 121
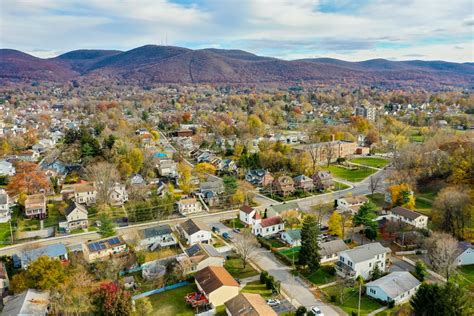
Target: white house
248, 215
408, 216
351, 204
398, 287
5, 214
85, 193
167, 168
76, 216
6, 168
118, 194
330, 249
189, 206
154, 237
361, 260
466, 254
268, 226
194, 232
292, 237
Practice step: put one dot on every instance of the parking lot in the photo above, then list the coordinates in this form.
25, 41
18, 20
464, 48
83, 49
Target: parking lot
283, 307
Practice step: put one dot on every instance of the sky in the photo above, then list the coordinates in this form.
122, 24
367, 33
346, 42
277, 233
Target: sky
289, 29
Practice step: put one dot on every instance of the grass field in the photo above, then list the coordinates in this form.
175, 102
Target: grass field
465, 278
236, 268
377, 198
321, 276
403, 309
351, 301
256, 288
376, 162
5, 236
172, 302
233, 223
355, 175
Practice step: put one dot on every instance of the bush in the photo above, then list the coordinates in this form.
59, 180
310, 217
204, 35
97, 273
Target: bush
353, 313
269, 282
284, 258
391, 304
301, 311
331, 270
264, 243
263, 277
333, 298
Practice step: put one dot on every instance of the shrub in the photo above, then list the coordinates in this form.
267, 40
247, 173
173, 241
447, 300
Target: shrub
353, 313
391, 304
301, 311
263, 277
333, 298
331, 270
269, 282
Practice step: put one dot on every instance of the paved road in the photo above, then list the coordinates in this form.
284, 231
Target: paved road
295, 289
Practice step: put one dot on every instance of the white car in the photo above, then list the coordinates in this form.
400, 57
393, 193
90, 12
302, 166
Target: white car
316, 311
273, 302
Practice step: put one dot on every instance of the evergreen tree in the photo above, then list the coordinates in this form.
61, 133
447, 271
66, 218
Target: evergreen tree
376, 273
309, 251
434, 300
106, 228
420, 270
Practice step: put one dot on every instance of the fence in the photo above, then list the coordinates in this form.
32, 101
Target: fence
431, 272
161, 290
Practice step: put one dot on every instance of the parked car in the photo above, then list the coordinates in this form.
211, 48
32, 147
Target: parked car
226, 236
236, 230
215, 229
273, 302
316, 311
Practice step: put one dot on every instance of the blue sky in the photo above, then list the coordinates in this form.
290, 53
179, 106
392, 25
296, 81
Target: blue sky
288, 29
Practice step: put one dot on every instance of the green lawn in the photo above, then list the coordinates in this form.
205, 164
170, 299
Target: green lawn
256, 288
403, 309
276, 243
321, 276
351, 301
340, 186
376, 162
377, 198
172, 302
5, 236
233, 223
465, 278
289, 252
354, 175
236, 268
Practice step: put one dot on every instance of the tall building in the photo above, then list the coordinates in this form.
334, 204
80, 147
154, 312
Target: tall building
368, 112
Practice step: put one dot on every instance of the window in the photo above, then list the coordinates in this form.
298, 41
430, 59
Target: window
370, 264
372, 291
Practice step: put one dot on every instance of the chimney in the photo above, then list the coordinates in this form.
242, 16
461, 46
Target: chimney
333, 137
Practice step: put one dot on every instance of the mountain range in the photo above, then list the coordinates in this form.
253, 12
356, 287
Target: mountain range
152, 64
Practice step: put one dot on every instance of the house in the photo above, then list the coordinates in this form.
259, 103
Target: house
248, 215
212, 183
29, 302
267, 179
156, 237
292, 237
333, 149
407, 216
278, 209
330, 249
118, 195
194, 232
361, 260
351, 204
248, 304
85, 193
465, 253
268, 226
137, 179
76, 216
396, 287
323, 180
5, 213
284, 186
255, 176
189, 206
198, 257
4, 280
217, 285
6, 168
104, 248
55, 251
167, 168
303, 183
35, 206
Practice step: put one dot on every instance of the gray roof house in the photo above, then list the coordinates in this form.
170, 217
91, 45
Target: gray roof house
330, 249
361, 260
154, 237
30, 302
397, 286
56, 251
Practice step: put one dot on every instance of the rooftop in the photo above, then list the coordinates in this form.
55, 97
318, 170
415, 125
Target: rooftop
366, 252
212, 278
396, 283
401, 211
249, 304
111, 242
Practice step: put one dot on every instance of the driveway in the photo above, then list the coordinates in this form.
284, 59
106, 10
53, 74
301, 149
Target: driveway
296, 291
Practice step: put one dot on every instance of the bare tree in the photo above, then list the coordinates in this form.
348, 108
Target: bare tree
322, 211
374, 184
329, 151
104, 175
313, 151
442, 252
246, 245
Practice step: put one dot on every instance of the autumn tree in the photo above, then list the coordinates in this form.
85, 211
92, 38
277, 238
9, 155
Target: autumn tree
442, 252
42, 274
184, 179
110, 299
291, 218
334, 224
245, 246
452, 210
402, 195
143, 307
204, 169
29, 179
104, 175
329, 152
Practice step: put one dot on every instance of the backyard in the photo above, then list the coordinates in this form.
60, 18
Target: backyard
233, 223
325, 274
375, 162
465, 278
172, 302
236, 268
256, 287
353, 175
377, 198
162, 253
351, 300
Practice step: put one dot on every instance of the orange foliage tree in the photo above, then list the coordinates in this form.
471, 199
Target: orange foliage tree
402, 195
28, 179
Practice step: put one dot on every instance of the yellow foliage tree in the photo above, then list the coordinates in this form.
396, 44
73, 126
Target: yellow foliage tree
184, 179
204, 168
402, 195
334, 223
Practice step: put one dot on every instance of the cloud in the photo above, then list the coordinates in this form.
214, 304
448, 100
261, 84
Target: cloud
281, 28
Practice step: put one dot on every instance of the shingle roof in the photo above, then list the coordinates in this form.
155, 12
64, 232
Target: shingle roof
294, 234
30, 302
366, 252
246, 209
331, 247
212, 278
192, 226
396, 283
52, 251
249, 304
406, 213
72, 206
275, 220
155, 231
